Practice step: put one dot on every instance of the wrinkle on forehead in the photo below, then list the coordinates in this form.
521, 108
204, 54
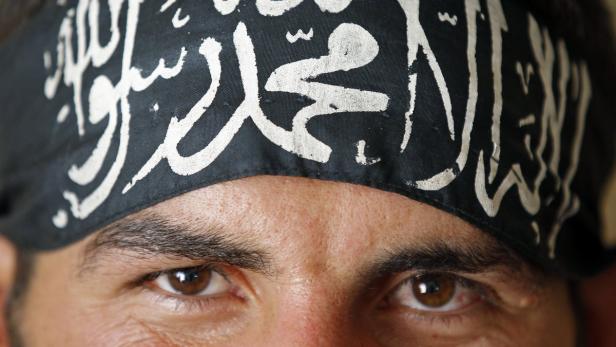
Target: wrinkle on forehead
316, 225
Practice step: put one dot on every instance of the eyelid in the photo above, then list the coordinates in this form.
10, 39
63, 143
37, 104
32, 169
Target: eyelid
484, 292
206, 266
241, 280
232, 299
511, 293
213, 288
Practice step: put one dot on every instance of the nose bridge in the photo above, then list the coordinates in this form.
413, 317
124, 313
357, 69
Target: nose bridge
312, 328
314, 315
313, 303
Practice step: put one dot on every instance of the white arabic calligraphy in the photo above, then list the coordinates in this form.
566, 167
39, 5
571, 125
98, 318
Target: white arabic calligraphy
276, 8
416, 37
103, 96
292, 38
350, 46
177, 21
551, 123
361, 158
446, 17
525, 75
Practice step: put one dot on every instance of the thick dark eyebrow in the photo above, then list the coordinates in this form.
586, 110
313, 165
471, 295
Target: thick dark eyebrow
441, 256
149, 235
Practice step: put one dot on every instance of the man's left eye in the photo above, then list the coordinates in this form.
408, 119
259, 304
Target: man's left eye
435, 293
196, 281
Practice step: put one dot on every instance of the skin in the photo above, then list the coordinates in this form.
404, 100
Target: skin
319, 242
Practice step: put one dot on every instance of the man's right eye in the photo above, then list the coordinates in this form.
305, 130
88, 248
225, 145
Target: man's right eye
195, 281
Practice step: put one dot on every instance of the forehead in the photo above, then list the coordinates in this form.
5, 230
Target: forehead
300, 225
296, 206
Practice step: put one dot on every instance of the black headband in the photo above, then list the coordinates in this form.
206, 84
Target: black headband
471, 106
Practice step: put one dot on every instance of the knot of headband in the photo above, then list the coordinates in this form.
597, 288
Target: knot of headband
472, 106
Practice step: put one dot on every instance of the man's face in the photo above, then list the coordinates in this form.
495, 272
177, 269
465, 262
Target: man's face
280, 261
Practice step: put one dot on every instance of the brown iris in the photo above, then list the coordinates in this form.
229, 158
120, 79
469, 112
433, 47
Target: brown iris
434, 290
190, 281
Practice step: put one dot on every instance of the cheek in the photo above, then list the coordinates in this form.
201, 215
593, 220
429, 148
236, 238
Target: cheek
58, 311
73, 326
109, 330
55, 319
551, 323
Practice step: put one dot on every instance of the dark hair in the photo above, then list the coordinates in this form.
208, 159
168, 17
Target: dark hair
13, 13
23, 275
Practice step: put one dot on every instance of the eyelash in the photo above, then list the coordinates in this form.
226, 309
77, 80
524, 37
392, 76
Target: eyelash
154, 275
199, 304
196, 304
486, 296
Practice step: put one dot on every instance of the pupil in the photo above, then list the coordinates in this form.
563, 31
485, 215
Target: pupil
434, 290
429, 287
186, 276
190, 281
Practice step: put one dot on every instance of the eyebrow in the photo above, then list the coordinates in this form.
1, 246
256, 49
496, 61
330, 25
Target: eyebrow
147, 236
441, 256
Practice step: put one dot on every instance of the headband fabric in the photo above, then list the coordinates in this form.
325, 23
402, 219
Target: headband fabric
471, 106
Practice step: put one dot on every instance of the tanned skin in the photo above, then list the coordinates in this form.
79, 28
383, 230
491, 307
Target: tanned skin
291, 262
